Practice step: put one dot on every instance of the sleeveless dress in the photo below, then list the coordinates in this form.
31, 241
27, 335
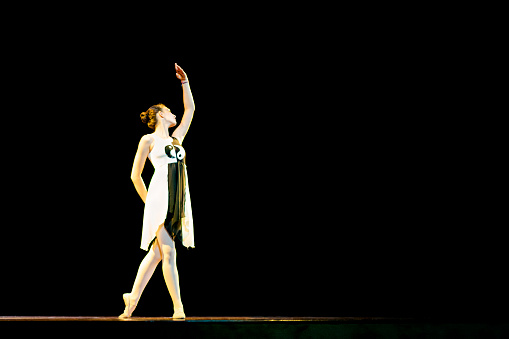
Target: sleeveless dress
168, 200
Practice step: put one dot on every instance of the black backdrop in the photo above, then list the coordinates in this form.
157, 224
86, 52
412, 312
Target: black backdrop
323, 181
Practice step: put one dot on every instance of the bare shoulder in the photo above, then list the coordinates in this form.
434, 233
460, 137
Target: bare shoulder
146, 141
147, 138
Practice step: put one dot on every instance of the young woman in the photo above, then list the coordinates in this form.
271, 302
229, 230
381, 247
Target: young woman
167, 214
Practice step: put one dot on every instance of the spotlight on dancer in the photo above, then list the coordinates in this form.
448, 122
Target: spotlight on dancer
167, 215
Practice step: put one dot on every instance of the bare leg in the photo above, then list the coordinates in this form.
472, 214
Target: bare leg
170, 273
147, 268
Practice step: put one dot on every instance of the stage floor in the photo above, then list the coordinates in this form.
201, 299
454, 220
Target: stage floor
207, 319
254, 327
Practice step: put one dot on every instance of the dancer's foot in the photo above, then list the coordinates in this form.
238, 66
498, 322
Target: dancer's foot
179, 313
129, 306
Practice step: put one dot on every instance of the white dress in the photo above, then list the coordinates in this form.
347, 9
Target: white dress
161, 207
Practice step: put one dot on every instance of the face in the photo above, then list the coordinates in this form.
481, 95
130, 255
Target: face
168, 116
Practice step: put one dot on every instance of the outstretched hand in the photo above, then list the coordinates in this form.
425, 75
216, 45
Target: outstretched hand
181, 75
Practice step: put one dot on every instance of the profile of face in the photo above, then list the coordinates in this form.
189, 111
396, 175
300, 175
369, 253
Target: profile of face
167, 115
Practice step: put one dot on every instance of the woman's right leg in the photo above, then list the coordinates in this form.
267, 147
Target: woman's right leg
147, 268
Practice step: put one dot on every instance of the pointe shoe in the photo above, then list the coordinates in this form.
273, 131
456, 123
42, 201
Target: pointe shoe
128, 307
179, 313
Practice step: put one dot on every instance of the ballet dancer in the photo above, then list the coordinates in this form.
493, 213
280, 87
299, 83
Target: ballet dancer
167, 215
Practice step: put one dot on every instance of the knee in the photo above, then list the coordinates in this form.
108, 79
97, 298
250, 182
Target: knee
155, 256
169, 253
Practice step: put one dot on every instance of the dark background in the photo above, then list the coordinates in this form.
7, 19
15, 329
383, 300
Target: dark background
329, 174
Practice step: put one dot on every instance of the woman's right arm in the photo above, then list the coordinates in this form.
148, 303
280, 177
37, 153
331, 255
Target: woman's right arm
139, 163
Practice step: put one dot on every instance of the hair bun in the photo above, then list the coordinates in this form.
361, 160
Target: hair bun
149, 116
144, 117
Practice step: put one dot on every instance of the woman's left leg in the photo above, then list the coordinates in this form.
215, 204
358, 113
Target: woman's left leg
170, 273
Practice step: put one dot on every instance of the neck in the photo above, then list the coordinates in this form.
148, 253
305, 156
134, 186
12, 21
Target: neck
162, 131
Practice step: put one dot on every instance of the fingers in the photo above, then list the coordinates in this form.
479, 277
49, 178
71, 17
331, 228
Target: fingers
180, 72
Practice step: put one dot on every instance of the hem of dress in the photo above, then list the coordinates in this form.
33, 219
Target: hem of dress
152, 241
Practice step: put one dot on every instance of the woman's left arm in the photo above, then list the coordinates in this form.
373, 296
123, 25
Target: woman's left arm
181, 131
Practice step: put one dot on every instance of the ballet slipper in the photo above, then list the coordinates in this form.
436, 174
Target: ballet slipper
179, 313
128, 307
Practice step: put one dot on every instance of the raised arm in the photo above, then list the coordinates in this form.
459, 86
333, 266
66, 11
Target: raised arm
181, 130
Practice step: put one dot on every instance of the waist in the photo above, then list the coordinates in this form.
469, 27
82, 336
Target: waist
164, 166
